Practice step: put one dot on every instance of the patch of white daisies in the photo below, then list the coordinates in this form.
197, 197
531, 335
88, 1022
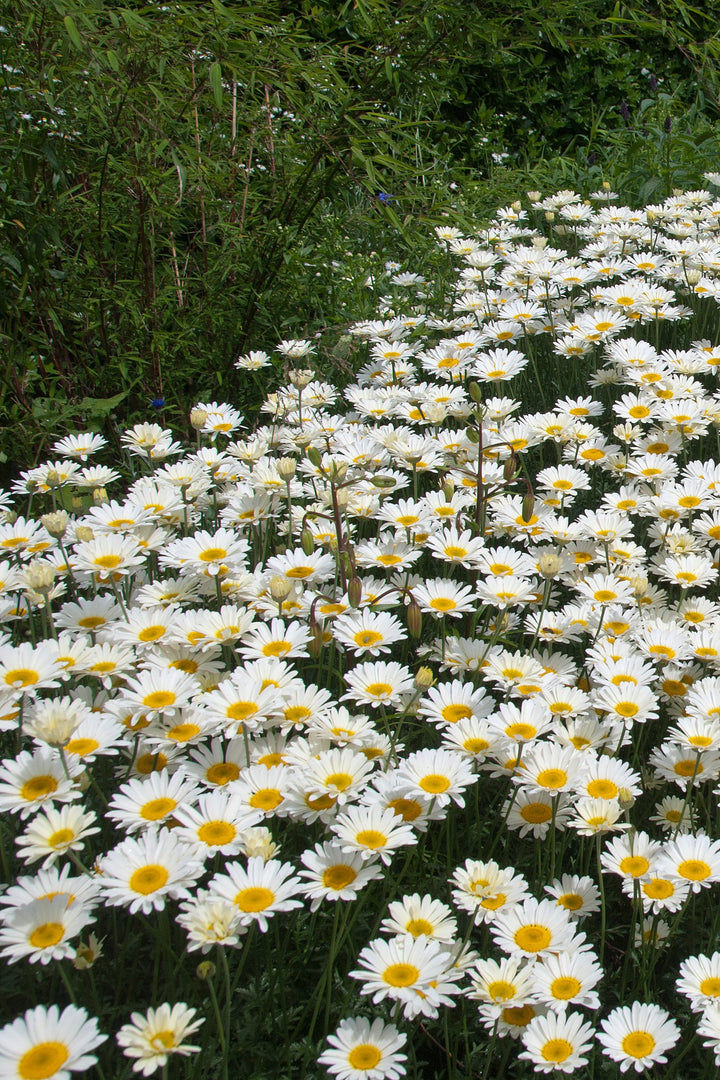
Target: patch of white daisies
384, 607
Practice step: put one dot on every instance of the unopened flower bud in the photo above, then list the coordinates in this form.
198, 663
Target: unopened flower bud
528, 507
509, 468
39, 576
414, 619
197, 418
474, 391
83, 533
286, 467
639, 585
534, 196
301, 378
424, 678
314, 456
448, 488
342, 497
258, 841
549, 216
10, 517
385, 483
205, 970
316, 639
338, 471
516, 206
307, 541
472, 435
693, 276
280, 588
56, 524
625, 798
549, 564
53, 478
354, 591
100, 496
539, 242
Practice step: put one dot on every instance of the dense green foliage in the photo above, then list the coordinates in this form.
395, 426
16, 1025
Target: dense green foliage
179, 184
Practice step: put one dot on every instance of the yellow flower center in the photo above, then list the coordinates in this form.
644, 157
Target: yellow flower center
434, 783
157, 809
46, 935
148, 879
379, 689
81, 747
536, 813
556, 1050
371, 838
216, 833
364, 1057
454, 552
107, 562
638, 1044
339, 780
42, 1061
634, 865
183, 732
443, 603
565, 988
602, 789
222, 773
276, 648
148, 763
521, 731
255, 898
401, 975
338, 876
452, 713
532, 938
501, 990
658, 889
418, 927
266, 799
407, 809
570, 901
159, 699
694, 870
213, 554
552, 778
710, 987
519, 1016
152, 633
241, 710
37, 787
18, 677
366, 638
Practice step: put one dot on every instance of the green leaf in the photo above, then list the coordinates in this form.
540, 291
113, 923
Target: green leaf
101, 406
72, 31
216, 82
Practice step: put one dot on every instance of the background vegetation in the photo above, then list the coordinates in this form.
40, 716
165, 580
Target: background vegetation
180, 183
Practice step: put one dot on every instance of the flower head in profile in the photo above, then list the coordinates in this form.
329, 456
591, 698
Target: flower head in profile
152, 1038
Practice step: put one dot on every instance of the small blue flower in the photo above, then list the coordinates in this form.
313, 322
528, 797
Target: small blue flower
158, 403
383, 197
